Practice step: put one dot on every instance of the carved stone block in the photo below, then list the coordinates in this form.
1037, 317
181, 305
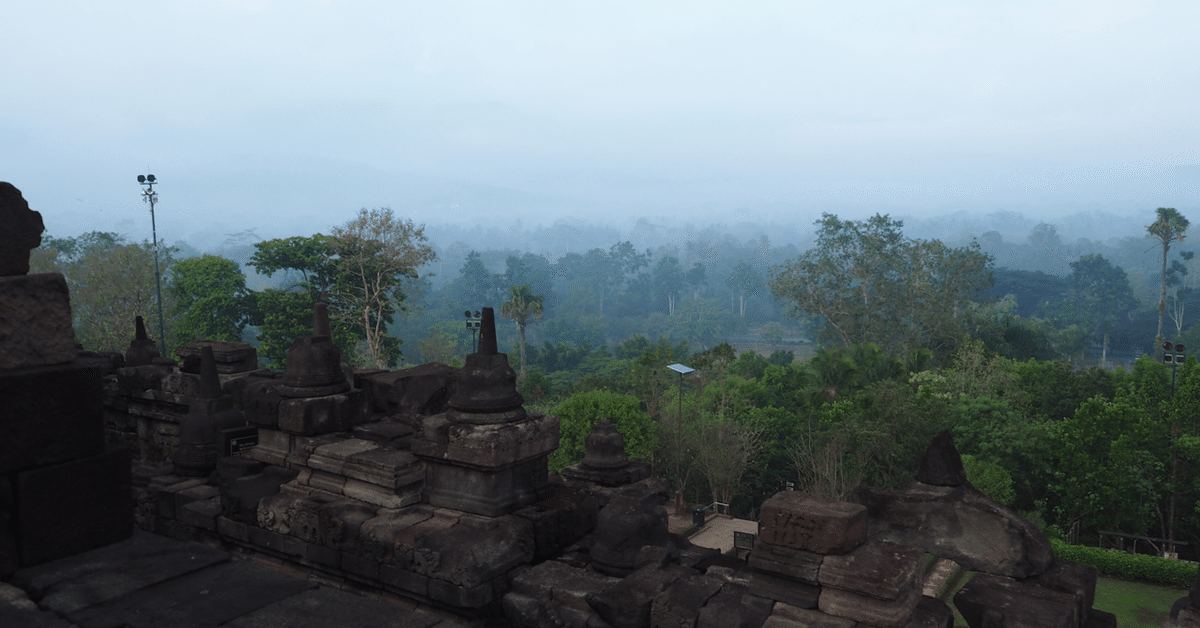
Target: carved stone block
1006, 600
806, 522
35, 322
877, 569
72, 507
786, 561
870, 610
50, 414
321, 415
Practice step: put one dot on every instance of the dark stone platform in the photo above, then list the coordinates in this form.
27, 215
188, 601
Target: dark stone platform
150, 581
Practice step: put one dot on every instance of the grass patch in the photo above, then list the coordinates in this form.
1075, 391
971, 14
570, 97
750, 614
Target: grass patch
1136, 604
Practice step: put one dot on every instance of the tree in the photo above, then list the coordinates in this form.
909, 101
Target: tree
724, 449
870, 284
579, 413
747, 282
772, 333
668, 281
990, 478
523, 307
284, 314
376, 252
211, 300
476, 282
1175, 277
1098, 298
112, 283
696, 279
1170, 225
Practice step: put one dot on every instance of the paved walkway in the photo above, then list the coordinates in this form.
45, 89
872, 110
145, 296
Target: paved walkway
151, 581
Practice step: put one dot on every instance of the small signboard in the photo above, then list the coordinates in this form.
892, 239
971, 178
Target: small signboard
238, 441
743, 540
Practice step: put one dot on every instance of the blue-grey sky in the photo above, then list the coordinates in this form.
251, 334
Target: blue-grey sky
288, 116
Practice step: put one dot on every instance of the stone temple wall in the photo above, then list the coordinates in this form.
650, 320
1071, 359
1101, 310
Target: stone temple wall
61, 490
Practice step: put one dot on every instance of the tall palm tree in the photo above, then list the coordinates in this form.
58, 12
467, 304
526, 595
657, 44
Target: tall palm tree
1169, 226
524, 307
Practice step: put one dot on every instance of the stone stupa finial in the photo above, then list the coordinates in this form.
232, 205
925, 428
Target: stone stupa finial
487, 332
321, 320
142, 350
210, 385
942, 464
487, 385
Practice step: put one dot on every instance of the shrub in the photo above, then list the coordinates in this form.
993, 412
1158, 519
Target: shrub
579, 413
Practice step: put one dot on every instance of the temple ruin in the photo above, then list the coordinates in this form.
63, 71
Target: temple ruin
430, 485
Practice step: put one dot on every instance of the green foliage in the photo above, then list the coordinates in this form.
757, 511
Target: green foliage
211, 300
990, 478
1125, 565
112, 282
581, 412
870, 284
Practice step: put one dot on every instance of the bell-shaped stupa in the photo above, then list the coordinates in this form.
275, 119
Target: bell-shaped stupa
487, 385
142, 350
314, 363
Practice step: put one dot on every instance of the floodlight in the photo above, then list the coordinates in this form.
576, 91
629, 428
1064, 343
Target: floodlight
141, 178
476, 314
467, 313
1179, 348
1167, 346
150, 178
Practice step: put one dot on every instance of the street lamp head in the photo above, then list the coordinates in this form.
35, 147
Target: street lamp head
141, 178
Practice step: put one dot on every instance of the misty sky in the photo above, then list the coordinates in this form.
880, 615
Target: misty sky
289, 116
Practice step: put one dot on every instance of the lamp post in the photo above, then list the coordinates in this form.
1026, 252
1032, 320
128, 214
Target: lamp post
682, 370
1174, 359
150, 196
473, 323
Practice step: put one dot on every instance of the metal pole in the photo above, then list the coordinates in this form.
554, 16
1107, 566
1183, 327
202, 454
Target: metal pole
162, 333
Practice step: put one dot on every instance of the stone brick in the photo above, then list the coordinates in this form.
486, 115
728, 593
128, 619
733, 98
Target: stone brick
788, 616
380, 496
35, 321
461, 597
195, 494
202, 514
785, 561
1077, 580
240, 501
166, 496
281, 543
870, 610
73, 507
50, 414
680, 604
877, 569
784, 590
1005, 599
321, 415
321, 555
233, 529
404, 580
806, 522
365, 567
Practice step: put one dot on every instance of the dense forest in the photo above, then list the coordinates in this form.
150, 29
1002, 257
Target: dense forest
824, 365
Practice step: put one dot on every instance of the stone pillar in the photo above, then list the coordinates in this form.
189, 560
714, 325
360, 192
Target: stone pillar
61, 493
486, 455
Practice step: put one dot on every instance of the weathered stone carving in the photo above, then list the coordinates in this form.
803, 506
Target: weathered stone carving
956, 522
633, 519
210, 413
20, 231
